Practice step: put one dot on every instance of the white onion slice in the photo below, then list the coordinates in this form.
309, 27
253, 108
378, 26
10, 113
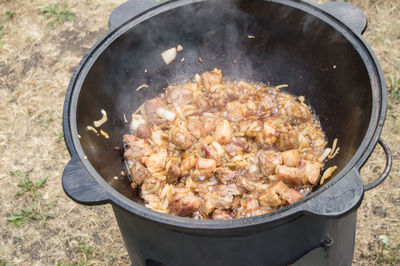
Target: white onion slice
253, 169
137, 123
325, 154
100, 122
161, 112
169, 55
179, 48
218, 147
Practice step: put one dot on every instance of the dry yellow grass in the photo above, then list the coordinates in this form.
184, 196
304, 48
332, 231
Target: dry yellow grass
36, 62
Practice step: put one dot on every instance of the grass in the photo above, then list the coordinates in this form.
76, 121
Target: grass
387, 255
28, 185
7, 16
83, 251
37, 212
394, 89
57, 13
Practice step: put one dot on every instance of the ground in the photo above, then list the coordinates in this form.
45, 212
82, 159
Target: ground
37, 57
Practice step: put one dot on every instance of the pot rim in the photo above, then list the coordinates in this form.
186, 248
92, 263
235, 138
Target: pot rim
366, 147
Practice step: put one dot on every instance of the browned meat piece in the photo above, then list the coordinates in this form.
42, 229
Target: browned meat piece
251, 127
137, 148
209, 151
235, 111
277, 194
194, 127
209, 79
291, 175
184, 202
223, 132
233, 149
250, 206
156, 161
310, 171
205, 168
225, 175
267, 103
288, 138
291, 158
173, 173
291, 196
202, 103
217, 201
219, 214
143, 131
138, 172
242, 142
270, 133
244, 90
295, 110
268, 161
181, 138
150, 109
201, 128
250, 108
246, 184
231, 189
270, 198
187, 164
178, 95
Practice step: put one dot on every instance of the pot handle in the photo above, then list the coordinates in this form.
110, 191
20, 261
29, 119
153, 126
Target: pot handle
349, 14
387, 169
80, 186
128, 10
341, 198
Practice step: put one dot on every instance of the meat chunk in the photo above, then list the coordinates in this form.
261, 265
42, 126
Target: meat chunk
267, 103
138, 172
143, 131
217, 201
235, 111
184, 202
244, 90
268, 161
201, 128
291, 158
296, 110
205, 168
157, 160
251, 127
291, 196
270, 133
233, 149
178, 95
250, 206
278, 194
150, 109
245, 184
173, 173
288, 138
223, 132
242, 142
310, 171
225, 175
209, 152
181, 137
187, 164
290, 175
137, 148
219, 214
209, 79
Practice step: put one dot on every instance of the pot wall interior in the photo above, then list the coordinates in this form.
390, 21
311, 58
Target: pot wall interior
290, 47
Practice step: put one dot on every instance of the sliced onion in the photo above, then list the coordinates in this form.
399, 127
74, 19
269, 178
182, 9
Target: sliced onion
100, 122
219, 148
217, 87
157, 137
179, 48
102, 132
169, 55
170, 116
327, 174
253, 168
137, 123
325, 154
90, 128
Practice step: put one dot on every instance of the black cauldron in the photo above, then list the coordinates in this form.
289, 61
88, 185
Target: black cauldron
316, 49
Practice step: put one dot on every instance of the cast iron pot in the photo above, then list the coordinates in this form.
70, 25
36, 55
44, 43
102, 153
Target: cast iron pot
316, 49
